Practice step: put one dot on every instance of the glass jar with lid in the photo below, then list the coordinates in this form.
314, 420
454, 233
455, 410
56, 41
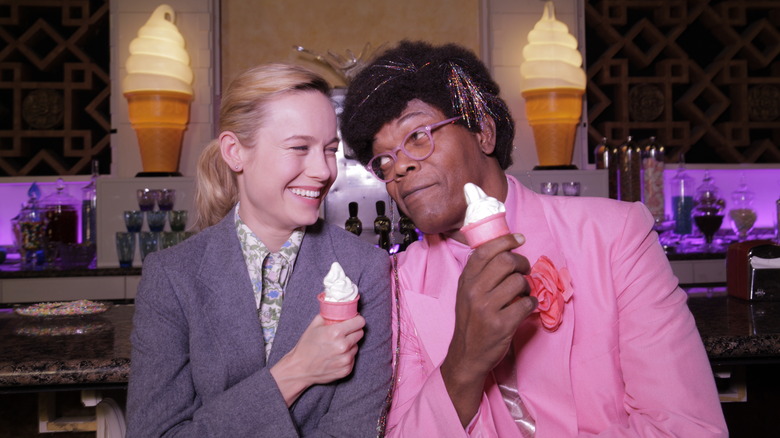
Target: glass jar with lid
28, 230
742, 214
708, 209
61, 220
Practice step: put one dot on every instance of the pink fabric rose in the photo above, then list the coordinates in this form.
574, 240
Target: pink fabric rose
552, 288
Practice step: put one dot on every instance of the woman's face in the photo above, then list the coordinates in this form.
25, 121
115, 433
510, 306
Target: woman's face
288, 172
430, 191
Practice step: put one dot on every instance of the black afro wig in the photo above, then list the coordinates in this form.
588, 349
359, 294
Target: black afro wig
418, 70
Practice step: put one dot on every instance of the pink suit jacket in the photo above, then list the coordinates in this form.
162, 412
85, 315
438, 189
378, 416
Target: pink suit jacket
627, 360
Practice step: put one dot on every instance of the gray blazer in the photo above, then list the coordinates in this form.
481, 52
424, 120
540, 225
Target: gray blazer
198, 365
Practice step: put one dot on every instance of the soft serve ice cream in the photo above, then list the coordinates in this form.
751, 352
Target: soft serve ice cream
485, 216
553, 85
158, 88
339, 300
338, 287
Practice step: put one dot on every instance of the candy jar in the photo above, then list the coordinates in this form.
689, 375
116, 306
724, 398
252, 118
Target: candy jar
653, 180
28, 230
682, 201
708, 209
61, 221
742, 213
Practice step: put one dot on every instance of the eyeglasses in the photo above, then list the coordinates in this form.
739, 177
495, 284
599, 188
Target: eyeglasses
417, 145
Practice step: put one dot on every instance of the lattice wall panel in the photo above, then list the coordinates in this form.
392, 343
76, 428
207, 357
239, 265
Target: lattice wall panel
54, 87
703, 76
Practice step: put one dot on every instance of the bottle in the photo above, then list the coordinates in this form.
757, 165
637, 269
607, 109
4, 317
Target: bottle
89, 208
606, 158
407, 229
353, 224
682, 200
653, 180
708, 210
742, 214
629, 171
382, 226
602, 154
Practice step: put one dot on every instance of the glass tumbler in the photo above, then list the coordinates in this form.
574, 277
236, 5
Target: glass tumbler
169, 239
571, 188
149, 243
177, 219
156, 220
549, 188
167, 197
125, 248
147, 198
134, 220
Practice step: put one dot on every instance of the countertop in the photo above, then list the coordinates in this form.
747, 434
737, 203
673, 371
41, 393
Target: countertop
95, 350
87, 350
736, 330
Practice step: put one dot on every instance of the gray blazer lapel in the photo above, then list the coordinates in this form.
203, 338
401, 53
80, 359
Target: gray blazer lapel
231, 303
300, 297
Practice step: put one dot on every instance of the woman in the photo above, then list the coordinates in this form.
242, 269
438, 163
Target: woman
604, 345
229, 342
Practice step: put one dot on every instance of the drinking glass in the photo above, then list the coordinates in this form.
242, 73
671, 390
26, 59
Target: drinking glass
571, 188
156, 220
169, 239
149, 242
166, 199
549, 188
177, 219
134, 220
125, 248
147, 198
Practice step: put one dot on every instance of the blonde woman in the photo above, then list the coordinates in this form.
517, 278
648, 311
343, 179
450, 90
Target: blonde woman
227, 339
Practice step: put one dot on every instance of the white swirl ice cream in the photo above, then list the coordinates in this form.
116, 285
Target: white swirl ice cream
551, 58
480, 205
337, 286
485, 217
158, 59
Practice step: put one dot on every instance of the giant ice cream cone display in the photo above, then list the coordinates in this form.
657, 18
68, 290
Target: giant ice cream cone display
553, 85
158, 88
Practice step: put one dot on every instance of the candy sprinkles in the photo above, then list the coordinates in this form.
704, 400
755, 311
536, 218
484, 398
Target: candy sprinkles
63, 308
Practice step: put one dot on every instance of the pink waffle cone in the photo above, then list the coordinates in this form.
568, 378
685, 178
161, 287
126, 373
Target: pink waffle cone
485, 229
334, 312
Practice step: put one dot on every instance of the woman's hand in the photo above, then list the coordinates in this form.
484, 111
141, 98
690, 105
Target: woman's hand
492, 301
324, 353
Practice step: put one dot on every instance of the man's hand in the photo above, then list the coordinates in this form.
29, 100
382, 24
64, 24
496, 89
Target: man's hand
492, 301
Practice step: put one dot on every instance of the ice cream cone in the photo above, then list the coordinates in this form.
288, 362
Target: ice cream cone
554, 115
159, 119
336, 311
486, 229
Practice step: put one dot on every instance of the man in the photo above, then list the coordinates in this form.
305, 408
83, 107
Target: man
622, 358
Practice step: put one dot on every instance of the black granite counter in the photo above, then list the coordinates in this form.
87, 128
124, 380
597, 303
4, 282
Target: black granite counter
95, 350
735, 330
86, 350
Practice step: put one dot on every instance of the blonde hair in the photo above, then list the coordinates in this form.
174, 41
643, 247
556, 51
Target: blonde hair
243, 109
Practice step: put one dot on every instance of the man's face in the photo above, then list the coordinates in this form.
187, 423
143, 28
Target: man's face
430, 191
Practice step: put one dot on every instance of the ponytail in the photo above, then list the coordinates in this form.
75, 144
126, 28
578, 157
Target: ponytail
216, 188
